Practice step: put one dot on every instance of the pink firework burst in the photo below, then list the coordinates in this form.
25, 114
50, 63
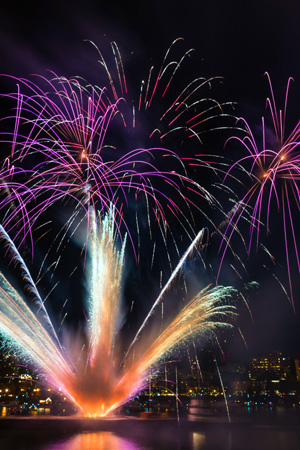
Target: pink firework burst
274, 173
62, 137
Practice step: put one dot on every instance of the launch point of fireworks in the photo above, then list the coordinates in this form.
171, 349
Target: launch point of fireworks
88, 374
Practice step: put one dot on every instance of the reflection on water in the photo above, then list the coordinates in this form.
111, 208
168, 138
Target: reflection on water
244, 439
198, 441
264, 430
216, 439
257, 438
104, 440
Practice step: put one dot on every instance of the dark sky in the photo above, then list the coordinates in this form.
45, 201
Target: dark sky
235, 39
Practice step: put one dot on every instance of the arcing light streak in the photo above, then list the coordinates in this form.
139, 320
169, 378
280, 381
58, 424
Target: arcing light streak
31, 288
22, 328
168, 284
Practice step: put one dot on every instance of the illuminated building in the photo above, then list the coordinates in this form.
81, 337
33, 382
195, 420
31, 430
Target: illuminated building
297, 369
268, 366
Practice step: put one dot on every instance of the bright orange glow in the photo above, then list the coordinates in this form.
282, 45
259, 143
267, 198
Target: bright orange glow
95, 377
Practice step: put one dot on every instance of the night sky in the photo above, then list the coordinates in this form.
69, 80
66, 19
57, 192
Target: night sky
237, 40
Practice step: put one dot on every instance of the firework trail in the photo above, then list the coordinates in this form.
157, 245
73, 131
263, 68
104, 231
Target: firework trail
31, 288
223, 390
191, 248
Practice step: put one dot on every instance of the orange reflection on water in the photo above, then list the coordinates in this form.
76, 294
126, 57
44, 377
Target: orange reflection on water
103, 440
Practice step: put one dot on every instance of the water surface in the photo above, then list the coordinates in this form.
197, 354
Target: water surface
263, 430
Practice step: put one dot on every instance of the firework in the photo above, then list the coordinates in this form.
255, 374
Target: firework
182, 111
273, 169
62, 136
90, 375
